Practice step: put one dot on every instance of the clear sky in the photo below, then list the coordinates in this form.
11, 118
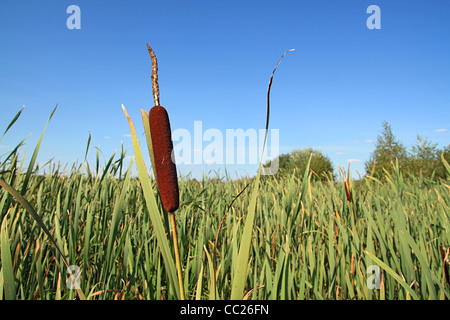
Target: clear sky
215, 59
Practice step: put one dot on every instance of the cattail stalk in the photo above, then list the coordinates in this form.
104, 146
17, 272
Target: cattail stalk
164, 162
177, 254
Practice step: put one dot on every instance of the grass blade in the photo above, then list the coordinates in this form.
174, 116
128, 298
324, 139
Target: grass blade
34, 156
7, 267
148, 137
393, 274
212, 284
116, 217
240, 273
198, 293
87, 146
11, 123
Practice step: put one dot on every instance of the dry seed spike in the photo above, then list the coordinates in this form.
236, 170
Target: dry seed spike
155, 85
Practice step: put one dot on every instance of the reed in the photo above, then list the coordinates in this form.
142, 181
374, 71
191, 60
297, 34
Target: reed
308, 241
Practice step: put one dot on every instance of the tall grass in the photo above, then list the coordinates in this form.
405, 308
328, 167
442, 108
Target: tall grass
308, 240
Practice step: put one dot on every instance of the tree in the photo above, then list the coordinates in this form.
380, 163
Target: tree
387, 150
424, 158
296, 162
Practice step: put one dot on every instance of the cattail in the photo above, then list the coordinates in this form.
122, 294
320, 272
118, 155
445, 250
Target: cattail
164, 163
165, 168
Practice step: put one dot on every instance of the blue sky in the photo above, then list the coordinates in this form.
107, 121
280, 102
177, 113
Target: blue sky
215, 60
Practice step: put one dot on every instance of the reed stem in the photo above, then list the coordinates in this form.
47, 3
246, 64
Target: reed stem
177, 254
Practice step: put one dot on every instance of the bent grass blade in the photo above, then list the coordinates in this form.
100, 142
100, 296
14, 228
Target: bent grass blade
241, 267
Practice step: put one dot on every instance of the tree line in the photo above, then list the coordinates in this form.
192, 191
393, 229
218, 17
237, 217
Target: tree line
423, 159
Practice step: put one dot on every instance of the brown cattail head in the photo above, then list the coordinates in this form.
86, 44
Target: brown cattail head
166, 171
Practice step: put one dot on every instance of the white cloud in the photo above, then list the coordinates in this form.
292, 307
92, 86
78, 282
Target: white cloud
440, 130
353, 160
107, 137
341, 152
128, 135
366, 141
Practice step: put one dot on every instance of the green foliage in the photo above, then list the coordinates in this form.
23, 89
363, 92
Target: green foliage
387, 151
308, 241
423, 160
296, 162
